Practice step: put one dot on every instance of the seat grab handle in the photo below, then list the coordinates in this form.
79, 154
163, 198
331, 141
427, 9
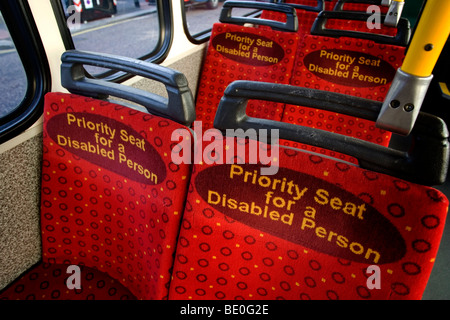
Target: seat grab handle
425, 163
291, 24
318, 8
319, 28
179, 106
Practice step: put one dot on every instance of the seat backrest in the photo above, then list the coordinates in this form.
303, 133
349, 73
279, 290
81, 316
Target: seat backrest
345, 64
333, 40
317, 229
359, 5
350, 66
367, 23
307, 11
319, 4
112, 198
238, 52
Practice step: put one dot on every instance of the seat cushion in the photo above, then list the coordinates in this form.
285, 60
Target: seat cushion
111, 196
48, 282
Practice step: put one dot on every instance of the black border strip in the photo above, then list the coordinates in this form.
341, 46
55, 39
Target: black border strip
19, 20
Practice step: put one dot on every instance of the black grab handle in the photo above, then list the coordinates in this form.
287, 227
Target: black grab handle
319, 7
400, 39
290, 25
179, 106
426, 163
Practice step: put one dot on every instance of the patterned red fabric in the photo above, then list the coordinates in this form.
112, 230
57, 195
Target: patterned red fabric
111, 198
361, 26
314, 70
244, 53
48, 282
356, 67
309, 232
329, 5
348, 6
305, 19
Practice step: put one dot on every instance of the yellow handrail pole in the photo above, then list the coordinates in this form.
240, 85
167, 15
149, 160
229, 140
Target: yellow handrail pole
409, 87
429, 39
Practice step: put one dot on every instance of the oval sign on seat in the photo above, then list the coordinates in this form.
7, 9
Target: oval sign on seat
349, 68
248, 48
108, 143
302, 209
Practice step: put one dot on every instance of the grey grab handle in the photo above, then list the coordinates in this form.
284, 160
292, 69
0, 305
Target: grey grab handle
400, 39
290, 25
179, 106
426, 163
320, 5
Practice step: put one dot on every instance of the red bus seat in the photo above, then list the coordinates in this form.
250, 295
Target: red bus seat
359, 5
367, 71
349, 65
48, 281
307, 11
238, 52
111, 197
317, 229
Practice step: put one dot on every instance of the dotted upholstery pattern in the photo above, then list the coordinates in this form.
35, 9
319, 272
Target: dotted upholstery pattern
49, 282
362, 7
244, 53
350, 66
111, 196
113, 201
305, 19
311, 231
367, 71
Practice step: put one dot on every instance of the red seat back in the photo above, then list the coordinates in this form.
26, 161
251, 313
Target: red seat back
350, 65
307, 11
111, 197
359, 5
237, 52
240, 240
315, 230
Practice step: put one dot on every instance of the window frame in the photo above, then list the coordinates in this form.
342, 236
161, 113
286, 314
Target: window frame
24, 33
198, 38
158, 55
204, 36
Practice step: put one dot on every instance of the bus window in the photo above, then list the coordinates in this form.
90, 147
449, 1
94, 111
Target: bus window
13, 84
200, 15
24, 70
131, 28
